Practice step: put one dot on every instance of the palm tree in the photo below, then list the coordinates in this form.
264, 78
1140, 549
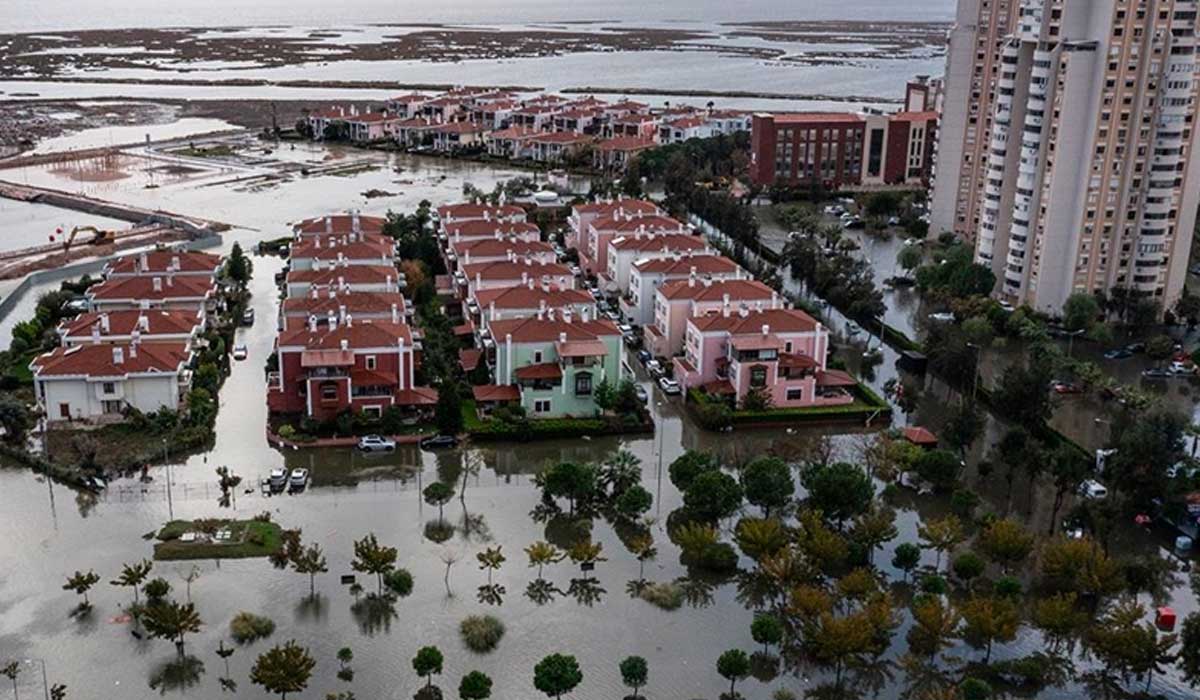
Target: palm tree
12, 670
490, 559
620, 471
224, 652
642, 547
133, 575
587, 553
81, 583
543, 553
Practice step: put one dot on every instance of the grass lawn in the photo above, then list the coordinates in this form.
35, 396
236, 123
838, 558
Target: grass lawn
249, 538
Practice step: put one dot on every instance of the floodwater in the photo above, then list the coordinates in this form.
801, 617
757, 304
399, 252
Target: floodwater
25, 224
51, 532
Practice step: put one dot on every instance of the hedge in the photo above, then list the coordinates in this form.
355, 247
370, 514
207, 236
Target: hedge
867, 403
544, 428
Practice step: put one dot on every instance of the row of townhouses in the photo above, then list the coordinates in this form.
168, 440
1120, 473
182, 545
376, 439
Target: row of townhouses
134, 345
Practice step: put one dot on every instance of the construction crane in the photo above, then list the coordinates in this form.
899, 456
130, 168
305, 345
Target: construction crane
99, 236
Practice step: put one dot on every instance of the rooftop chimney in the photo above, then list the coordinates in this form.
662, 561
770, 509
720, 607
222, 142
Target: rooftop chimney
118, 355
133, 346
95, 334
144, 262
328, 226
175, 263
395, 313
312, 323
157, 282
104, 324
344, 344
766, 329
562, 337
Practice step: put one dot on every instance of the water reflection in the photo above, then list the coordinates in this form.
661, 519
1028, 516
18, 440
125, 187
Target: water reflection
540, 592
374, 613
177, 675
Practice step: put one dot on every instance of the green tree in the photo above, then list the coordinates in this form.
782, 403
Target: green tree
906, 558
1022, 395
621, 471
490, 559
605, 395
1160, 348
691, 464
975, 689
1189, 649
370, 557
767, 482
476, 685
283, 669
967, 566
238, 267
941, 535
557, 674
634, 673
81, 583
170, 620
760, 537
909, 258
438, 493
733, 666
1080, 567
311, 561
767, 630
15, 418
542, 553
427, 663
1080, 311
963, 429
713, 495
1059, 618
1006, 542
987, 620
578, 483
447, 413
841, 491
1128, 646
873, 529
633, 502
132, 576
935, 626
940, 468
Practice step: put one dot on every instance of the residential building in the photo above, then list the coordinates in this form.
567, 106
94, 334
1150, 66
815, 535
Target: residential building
493, 115
458, 136
646, 276
415, 131
1091, 183
539, 117
577, 120
780, 352
899, 148
407, 106
509, 273
593, 254
97, 381
130, 325
170, 292
481, 250
616, 154
442, 109
338, 224
371, 127
180, 263
684, 128
623, 251
511, 142
331, 307
677, 301
490, 229
635, 124
343, 278
527, 301
582, 215
813, 149
321, 251
355, 366
555, 147
974, 43
557, 361
451, 214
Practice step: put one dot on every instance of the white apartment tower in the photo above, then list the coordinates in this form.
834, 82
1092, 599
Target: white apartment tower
1089, 180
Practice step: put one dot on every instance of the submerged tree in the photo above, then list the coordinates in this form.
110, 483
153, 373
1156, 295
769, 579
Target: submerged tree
370, 557
427, 663
170, 620
634, 673
133, 575
542, 553
557, 674
733, 666
81, 583
490, 559
283, 669
311, 561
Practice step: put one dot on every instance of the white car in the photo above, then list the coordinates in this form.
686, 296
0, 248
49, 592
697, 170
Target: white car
853, 328
298, 479
669, 386
654, 368
278, 478
376, 443
942, 317
1093, 490
240, 352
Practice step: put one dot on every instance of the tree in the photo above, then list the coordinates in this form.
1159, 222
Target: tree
156, 589
963, 429
967, 566
283, 669
542, 553
447, 413
1080, 567
733, 666
642, 547
557, 674
685, 468
1080, 311
1069, 470
1146, 448
873, 529
1160, 347
344, 656
941, 535
1022, 395
940, 468
634, 672
12, 670
490, 559
370, 557
439, 493
834, 641
987, 620
909, 258
132, 575
605, 395
170, 620
1058, 618
237, 266
767, 482
428, 662
81, 583
1129, 647
311, 561
1189, 649
15, 418
760, 537
767, 630
934, 628
571, 480
476, 685
1006, 543
713, 495
906, 558
619, 473
840, 490
633, 502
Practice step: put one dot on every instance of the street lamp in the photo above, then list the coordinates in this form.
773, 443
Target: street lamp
45, 683
658, 435
1071, 342
170, 501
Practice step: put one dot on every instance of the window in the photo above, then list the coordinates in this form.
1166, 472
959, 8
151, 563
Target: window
371, 362
795, 394
541, 406
109, 388
583, 384
537, 357
758, 376
329, 391
373, 411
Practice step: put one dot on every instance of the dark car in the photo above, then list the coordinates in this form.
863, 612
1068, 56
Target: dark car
1158, 373
438, 441
1135, 348
644, 356
1118, 354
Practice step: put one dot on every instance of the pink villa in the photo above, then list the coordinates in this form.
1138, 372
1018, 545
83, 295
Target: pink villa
617, 153
593, 256
779, 351
339, 224
679, 300
370, 127
582, 216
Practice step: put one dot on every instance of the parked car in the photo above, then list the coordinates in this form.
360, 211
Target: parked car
575, 270
248, 317
278, 478
299, 479
644, 356
1136, 348
376, 443
1118, 354
240, 352
1158, 373
1093, 490
852, 328
669, 386
654, 367
641, 393
77, 305
1065, 388
438, 441
942, 317
625, 329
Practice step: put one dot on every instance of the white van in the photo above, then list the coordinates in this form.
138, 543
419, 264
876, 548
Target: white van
1092, 489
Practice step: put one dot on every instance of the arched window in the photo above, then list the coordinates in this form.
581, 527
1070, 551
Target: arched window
758, 376
583, 384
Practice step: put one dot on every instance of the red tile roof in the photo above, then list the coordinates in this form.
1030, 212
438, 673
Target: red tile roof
124, 322
565, 138
367, 248
531, 296
702, 264
629, 224
715, 290
920, 436
468, 358
835, 377
511, 270
667, 242
513, 132
99, 360
142, 287
494, 392
362, 334
352, 274
546, 370
545, 330
355, 303
605, 209
158, 261
470, 210
491, 247
417, 396
479, 228
339, 223
626, 143
756, 342
460, 128
752, 322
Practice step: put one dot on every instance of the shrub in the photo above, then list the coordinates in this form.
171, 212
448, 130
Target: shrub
668, 596
935, 585
481, 632
399, 581
967, 566
245, 627
720, 558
